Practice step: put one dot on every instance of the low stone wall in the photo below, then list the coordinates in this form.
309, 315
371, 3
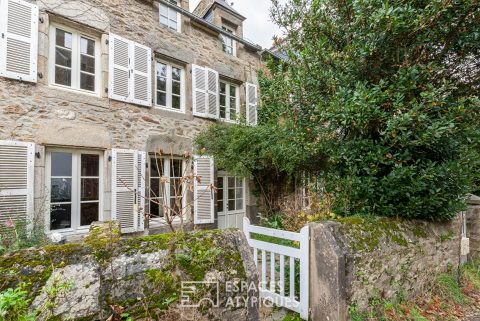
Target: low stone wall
357, 261
142, 275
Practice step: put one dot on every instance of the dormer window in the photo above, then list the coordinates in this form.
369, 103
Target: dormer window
228, 44
170, 17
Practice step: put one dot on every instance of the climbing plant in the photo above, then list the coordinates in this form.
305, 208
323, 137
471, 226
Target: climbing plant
378, 97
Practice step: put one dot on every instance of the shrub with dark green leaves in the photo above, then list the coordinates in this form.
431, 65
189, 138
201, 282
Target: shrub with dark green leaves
387, 90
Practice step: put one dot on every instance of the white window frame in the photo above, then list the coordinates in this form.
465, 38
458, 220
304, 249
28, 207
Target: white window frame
165, 161
224, 37
170, 11
76, 35
225, 210
76, 228
169, 93
228, 86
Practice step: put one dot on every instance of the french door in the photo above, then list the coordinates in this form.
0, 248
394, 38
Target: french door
230, 201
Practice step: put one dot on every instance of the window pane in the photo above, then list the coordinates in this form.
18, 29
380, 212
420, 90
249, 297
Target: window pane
61, 190
156, 208
231, 205
163, 10
223, 88
172, 24
233, 91
162, 84
155, 187
239, 193
222, 111
176, 168
88, 213
176, 88
175, 102
220, 182
161, 70
239, 204
231, 182
61, 164
164, 20
90, 165
223, 101
64, 39
220, 203
63, 57
156, 169
87, 82
176, 74
87, 64
63, 76
89, 189
60, 216
87, 46
161, 99
231, 193
239, 182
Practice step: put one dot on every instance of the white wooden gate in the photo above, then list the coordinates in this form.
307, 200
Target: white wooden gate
278, 265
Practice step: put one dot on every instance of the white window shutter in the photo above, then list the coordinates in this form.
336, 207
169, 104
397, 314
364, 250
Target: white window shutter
199, 90
125, 185
204, 200
213, 106
119, 68
19, 41
142, 75
141, 179
16, 181
252, 103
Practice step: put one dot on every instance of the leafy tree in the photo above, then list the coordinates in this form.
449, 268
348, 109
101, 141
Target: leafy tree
387, 90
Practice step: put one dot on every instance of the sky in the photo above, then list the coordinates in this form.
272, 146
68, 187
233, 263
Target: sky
258, 28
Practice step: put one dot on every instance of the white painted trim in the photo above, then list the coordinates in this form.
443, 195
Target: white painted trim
275, 250
204, 187
33, 41
75, 228
169, 91
76, 60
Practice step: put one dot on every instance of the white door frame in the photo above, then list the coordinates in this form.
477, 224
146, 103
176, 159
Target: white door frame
224, 211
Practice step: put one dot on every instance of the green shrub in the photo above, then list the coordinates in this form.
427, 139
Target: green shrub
379, 97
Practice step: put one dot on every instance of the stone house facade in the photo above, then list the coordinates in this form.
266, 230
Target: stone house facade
91, 91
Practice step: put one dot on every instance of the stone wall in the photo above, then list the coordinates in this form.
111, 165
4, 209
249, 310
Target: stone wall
356, 261
141, 275
51, 116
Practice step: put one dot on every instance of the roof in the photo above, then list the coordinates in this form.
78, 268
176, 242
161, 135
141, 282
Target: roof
225, 5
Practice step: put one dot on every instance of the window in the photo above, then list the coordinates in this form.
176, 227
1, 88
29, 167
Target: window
74, 60
228, 44
170, 86
170, 17
229, 102
230, 201
166, 186
75, 189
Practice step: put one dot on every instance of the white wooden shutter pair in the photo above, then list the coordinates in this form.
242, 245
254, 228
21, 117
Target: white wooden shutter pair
18, 40
252, 103
204, 198
130, 71
128, 189
206, 99
16, 181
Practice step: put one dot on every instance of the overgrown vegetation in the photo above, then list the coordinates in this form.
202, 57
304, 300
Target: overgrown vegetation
379, 100
447, 299
16, 235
